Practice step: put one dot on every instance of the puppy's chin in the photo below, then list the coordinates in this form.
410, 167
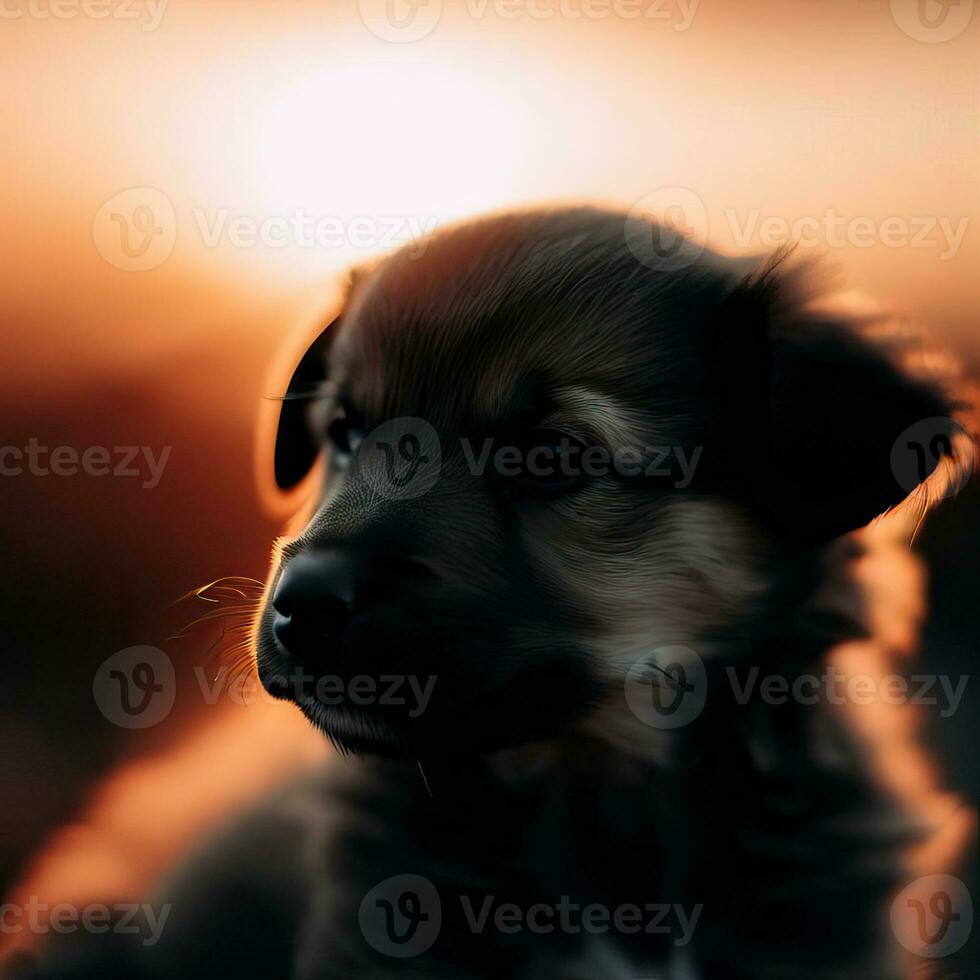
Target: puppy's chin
351, 728
354, 730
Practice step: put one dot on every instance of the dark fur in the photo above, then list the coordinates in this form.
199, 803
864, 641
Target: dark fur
539, 784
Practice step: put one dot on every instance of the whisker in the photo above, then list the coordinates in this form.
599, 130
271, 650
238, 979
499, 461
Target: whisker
237, 584
233, 603
246, 612
318, 390
424, 780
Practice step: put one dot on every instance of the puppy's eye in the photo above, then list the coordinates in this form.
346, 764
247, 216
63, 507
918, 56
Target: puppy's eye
543, 462
344, 430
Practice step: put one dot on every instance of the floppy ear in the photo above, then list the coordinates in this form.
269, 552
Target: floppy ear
296, 449
807, 413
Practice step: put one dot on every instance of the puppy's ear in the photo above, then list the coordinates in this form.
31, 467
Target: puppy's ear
296, 449
807, 412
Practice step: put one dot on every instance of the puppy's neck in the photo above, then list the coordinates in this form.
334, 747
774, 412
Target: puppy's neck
572, 758
524, 763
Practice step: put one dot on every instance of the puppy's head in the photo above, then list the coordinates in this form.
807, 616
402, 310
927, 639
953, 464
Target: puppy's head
540, 458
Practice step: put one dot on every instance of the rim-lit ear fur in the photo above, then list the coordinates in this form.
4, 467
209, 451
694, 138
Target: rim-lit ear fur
808, 409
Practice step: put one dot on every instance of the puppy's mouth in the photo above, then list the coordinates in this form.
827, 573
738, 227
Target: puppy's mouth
351, 727
383, 688
361, 712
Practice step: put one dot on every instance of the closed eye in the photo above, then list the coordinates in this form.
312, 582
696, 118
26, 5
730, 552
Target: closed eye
337, 422
542, 462
345, 430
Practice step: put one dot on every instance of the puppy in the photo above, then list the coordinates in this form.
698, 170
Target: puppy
570, 490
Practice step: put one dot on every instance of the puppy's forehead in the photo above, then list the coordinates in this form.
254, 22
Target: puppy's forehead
519, 314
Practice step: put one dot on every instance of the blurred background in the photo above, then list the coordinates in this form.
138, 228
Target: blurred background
183, 184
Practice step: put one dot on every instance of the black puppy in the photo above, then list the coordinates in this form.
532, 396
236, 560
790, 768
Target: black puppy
569, 481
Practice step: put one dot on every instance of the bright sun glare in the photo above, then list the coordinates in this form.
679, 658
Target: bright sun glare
422, 142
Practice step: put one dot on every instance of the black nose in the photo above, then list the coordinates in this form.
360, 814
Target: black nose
313, 600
